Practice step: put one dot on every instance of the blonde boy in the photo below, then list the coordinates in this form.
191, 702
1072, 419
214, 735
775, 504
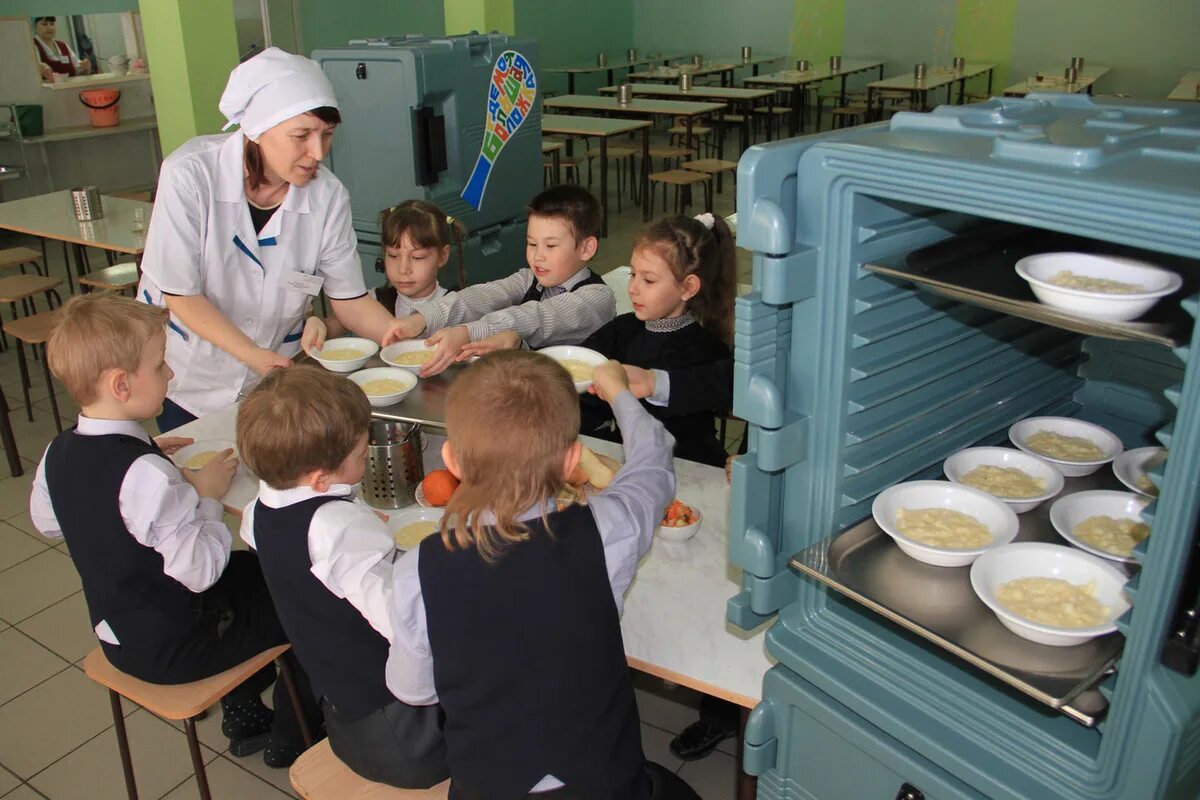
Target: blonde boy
167, 600
556, 300
327, 561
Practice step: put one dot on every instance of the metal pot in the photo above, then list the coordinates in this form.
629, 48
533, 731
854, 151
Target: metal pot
745, 54
631, 55
625, 94
601, 60
85, 201
919, 71
1071, 74
394, 464
698, 61
835, 63
685, 82
1077, 63
803, 65
959, 63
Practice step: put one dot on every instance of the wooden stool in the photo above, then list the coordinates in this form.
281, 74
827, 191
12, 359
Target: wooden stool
18, 257
22, 289
773, 116
618, 154
35, 331
847, 116
681, 179
320, 775
182, 702
118, 278
715, 166
667, 154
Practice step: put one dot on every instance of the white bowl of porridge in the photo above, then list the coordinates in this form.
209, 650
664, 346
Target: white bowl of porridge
197, 454
1097, 287
410, 354
409, 526
943, 524
1022, 481
384, 386
1132, 466
1105, 523
345, 354
1050, 594
1074, 447
579, 361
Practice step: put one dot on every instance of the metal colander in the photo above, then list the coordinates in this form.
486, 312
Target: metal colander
394, 467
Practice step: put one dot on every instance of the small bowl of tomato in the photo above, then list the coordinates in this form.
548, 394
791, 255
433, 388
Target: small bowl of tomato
679, 523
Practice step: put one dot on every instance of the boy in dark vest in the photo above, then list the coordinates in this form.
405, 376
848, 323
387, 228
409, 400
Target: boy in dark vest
556, 300
168, 601
328, 561
509, 616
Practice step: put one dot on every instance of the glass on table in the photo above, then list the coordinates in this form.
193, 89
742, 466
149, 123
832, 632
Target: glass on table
139, 220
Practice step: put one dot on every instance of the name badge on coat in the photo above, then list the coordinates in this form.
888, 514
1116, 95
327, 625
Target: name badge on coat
303, 282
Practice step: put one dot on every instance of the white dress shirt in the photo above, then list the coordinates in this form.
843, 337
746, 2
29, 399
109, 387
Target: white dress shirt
160, 509
350, 548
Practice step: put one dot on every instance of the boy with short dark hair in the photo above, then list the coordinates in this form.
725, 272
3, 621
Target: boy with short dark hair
168, 601
555, 300
327, 562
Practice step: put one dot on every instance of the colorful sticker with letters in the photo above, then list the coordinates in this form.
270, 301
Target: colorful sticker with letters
510, 100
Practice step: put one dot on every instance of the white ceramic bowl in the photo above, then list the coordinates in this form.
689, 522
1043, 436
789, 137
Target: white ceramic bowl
680, 533
402, 376
407, 516
367, 347
1103, 438
392, 351
1040, 560
1134, 464
1039, 269
1000, 520
183, 454
964, 461
575, 353
1067, 512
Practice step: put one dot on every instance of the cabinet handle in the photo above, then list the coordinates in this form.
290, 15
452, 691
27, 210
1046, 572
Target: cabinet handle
909, 792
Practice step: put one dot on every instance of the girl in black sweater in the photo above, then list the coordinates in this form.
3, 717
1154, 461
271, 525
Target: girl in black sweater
675, 346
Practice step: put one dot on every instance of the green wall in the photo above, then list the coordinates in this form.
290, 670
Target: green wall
33, 8
330, 23
571, 32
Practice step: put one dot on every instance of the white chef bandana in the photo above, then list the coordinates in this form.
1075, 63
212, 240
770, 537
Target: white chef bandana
272, 87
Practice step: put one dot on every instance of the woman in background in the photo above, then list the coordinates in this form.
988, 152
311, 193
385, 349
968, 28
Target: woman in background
56, 55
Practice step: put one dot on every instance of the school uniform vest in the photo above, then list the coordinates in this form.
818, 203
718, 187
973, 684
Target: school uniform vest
343, 655
529, 666
536, 291
123, 580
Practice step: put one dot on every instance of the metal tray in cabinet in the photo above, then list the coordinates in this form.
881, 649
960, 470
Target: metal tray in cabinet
938, 604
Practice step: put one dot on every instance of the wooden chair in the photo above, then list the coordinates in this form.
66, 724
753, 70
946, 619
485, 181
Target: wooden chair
848, 116
117, 278
19, 258
774, 117
624, 156
34, 330
182, 702
683, 180
715, 166
320, 775
669, 154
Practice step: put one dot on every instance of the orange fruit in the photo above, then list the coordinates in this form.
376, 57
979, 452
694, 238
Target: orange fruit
438, 486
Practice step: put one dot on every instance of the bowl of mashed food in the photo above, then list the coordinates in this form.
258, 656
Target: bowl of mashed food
1050, 594
197, 454
384, 386
411, 525
1106, 523
578, 361
345, 354
1022, 481
943, 524
410, 354
1074, 447
1132, 468
1095, 286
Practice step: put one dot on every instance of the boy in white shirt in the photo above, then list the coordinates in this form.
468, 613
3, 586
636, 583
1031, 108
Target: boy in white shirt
168, 601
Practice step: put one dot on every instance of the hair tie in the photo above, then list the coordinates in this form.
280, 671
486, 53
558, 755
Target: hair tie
449, 220
706, 219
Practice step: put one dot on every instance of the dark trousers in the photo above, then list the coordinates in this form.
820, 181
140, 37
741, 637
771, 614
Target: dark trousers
234, 620
656, 783
399, 744
172, 416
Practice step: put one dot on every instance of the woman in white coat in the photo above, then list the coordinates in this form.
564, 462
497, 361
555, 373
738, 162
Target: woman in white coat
247, 228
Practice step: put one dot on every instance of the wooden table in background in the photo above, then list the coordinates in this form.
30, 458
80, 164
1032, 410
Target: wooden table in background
1188, 88
603, 128
591, 69
798, 83
671, 74
745, 98
1054, 81
934, 79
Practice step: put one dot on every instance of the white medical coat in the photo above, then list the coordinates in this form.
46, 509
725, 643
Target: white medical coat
202, 242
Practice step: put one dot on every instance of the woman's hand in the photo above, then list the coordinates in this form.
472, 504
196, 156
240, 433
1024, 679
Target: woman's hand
403, 328
314, 334
170, 445
641, 381
263, 361
508, 340
449, 343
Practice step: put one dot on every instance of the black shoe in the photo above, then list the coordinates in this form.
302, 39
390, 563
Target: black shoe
281, 756
249, 745
246, 720
699, 739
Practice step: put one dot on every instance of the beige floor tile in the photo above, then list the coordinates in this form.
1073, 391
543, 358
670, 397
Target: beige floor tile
17, 546
14, 492
21, 521
42, 425
656, 744
68, 409
64, 628
50, 720
8, 781
712, 776
670, 710
37, 584
226, 779
23, 793
24, 664
276, 777
161, 761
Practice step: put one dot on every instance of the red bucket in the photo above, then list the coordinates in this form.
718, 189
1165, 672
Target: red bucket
103, 105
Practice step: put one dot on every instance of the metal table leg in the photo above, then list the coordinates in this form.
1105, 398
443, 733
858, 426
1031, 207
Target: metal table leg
604, 184
570, 83
10, 442
646, 174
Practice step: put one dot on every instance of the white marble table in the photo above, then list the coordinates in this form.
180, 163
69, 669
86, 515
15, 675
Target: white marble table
674, 623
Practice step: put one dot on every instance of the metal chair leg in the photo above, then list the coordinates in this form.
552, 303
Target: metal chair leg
114, 700
50, 388
24, 377
189, 727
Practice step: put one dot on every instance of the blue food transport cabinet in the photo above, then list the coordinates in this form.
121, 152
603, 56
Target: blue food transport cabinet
877, 341
417, 113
